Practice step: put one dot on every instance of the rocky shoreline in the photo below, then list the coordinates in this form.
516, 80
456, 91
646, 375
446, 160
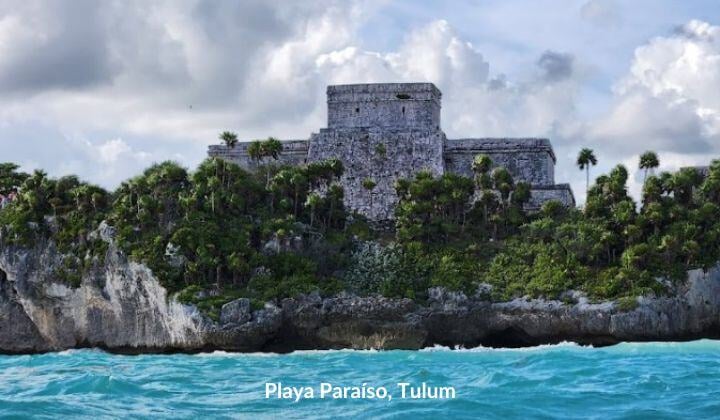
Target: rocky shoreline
121, 307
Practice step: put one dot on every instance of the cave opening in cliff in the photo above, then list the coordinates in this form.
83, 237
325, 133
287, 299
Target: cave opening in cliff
511, 337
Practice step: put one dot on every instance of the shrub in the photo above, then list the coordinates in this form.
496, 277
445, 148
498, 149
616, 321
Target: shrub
626, 303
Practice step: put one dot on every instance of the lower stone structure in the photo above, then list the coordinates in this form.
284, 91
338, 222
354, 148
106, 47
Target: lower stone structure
294, 153
382, 156
531, 160
384, 132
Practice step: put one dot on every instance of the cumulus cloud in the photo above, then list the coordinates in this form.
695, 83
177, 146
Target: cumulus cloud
43, 48
175, 73
670, 98
669, 102
168, 75
104, 89
601, 12
473, 103
555, 66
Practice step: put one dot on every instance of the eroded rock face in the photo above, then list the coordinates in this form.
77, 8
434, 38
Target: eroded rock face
236, 312
120, 306
18, 333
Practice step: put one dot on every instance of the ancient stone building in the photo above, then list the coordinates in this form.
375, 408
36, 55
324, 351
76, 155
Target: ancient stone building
387, 131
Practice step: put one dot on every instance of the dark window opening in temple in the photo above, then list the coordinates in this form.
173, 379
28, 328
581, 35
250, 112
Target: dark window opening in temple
403, 110
357, 109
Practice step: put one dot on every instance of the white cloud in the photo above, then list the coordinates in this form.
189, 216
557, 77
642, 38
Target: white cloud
111, 150
472, 105
601, 12
160, 79
670, 98
668, 102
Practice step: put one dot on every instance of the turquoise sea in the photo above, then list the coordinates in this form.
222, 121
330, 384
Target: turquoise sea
638, 380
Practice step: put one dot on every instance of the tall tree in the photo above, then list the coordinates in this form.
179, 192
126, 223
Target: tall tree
648, 160
369, 184
229, 138
481, 167
254, 150
585, 159
271, 148
10, 178
481, 164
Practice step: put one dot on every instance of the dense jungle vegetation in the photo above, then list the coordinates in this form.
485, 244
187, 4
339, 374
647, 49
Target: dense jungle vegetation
221, 232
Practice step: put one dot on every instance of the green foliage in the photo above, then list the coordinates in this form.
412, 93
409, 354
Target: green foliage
64, 208
229, 138
612, 248
380, 150
394, 270
217, 223
368, 184
220, 232
627, 303
648, 161
585, 159
259, 150
10, 178
457, 271
440, 210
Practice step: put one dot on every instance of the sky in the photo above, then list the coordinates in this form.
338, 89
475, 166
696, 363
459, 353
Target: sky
104, 88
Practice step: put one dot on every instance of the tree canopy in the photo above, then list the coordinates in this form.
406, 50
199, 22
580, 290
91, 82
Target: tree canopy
220, 232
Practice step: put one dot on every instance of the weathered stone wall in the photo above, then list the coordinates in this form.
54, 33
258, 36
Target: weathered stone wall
413, 106
382, 156
528, 159
542, 194
388, 131
294, 153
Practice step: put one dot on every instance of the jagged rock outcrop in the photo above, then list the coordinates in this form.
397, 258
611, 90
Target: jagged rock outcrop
121, 307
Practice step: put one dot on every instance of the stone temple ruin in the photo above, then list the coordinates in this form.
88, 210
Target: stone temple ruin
388, 131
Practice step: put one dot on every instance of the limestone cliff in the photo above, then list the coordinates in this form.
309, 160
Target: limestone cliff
120, 306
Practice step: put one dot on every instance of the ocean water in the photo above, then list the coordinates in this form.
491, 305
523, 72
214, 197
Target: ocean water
638, 380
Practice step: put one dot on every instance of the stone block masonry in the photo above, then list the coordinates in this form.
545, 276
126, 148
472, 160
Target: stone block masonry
387, 131
382, 156
294, 153
414, 106
528, 159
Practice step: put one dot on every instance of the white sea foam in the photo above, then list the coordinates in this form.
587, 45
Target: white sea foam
74, 352
222, 353
435, 348
480, 349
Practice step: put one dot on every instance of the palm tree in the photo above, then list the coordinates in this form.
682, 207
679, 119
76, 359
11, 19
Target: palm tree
271, 147
586, 157
230, 138
298, 181
481, 164
254, 151
503, 182
648, 160
369, 185
312, 201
